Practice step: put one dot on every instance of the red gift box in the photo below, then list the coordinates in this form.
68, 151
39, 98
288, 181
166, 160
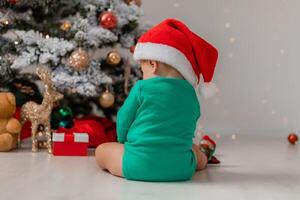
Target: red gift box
99, 129
70, 144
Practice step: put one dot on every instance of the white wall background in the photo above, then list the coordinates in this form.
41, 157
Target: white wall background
258, 71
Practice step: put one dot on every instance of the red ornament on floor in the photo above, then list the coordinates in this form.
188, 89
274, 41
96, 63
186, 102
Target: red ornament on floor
70, 144
293, 138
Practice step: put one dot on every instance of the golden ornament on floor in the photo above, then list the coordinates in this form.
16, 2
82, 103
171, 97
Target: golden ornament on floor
42, 144
65, 26
293, 138
41, 139
113, 58
136, 2
79, 59
39, 114
106, 99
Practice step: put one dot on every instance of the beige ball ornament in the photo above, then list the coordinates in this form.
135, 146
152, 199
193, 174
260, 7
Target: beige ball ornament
106, 99
136, 2
79, 59
113, 58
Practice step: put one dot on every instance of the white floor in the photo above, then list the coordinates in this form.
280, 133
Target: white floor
252, 168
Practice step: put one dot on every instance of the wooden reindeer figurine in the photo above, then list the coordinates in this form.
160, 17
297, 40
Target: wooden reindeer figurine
39, 115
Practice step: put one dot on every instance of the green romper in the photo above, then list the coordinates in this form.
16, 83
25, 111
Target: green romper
156, 123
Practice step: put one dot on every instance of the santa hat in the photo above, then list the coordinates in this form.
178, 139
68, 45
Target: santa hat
173, 43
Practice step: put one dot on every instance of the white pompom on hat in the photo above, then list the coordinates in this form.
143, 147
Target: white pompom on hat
173, 43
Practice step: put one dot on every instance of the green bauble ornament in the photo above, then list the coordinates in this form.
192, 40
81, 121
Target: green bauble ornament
67, 123
65, 111
62, 116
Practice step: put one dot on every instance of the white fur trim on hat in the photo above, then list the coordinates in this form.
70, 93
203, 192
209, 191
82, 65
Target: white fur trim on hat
166, 54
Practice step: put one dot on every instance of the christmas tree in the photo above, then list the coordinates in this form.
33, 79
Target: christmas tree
80, 42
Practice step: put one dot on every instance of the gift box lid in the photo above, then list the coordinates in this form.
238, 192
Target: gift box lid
70, 137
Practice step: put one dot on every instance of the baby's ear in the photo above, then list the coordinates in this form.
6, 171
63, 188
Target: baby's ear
154, 63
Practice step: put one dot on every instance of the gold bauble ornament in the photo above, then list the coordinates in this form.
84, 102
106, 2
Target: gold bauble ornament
79, 59
136, 2
65, 26
4, 21
106, 99
113, 58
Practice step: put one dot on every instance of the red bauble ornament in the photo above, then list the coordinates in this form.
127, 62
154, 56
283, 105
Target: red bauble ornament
293, 138
132, 48
12, 1
108, 20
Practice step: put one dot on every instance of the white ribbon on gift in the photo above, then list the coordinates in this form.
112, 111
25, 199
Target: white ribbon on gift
78, 137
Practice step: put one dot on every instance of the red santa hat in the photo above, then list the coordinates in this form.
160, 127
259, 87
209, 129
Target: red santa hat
173, 43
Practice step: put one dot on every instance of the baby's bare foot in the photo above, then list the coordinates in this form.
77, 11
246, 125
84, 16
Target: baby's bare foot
201, 157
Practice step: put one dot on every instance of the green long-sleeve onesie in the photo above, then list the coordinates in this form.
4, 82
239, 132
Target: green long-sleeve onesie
156, 123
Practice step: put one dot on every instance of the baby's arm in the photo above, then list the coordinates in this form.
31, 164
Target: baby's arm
126, 113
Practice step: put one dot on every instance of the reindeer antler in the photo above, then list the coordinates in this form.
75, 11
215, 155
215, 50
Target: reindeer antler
45, 76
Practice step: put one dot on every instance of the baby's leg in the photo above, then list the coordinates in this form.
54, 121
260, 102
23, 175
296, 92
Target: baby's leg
201, 157
109, 156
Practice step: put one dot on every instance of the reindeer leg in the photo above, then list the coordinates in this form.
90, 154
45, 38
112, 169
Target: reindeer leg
48, 134
34, 128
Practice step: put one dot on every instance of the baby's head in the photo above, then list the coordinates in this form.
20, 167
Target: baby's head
153, 68
171, 49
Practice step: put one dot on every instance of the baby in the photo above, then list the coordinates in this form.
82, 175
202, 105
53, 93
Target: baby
156, 123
